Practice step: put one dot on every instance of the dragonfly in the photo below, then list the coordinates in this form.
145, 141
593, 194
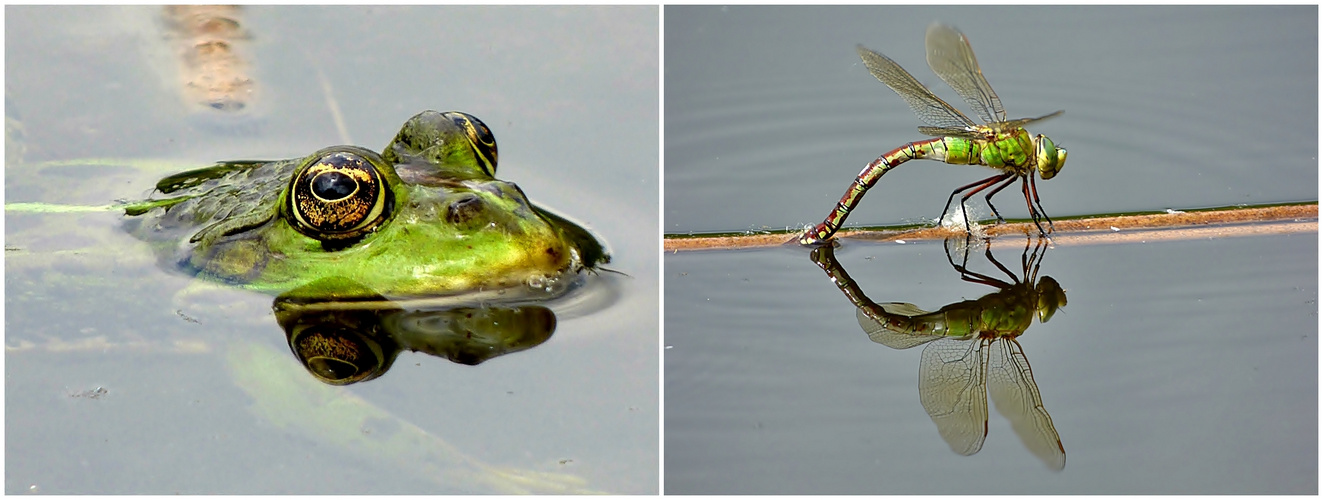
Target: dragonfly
998, 143
972, 351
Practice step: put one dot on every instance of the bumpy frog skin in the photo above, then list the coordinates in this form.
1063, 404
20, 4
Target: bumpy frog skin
425, 218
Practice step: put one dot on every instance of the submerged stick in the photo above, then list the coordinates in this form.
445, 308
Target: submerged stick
1089, 230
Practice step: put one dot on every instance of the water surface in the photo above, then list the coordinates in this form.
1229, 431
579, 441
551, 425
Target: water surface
1175, 367
171, 418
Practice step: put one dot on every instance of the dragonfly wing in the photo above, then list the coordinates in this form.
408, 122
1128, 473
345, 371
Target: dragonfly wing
1012, 388
951, 132
1020, 123
927, 106
895, 338
951, 388
951, 57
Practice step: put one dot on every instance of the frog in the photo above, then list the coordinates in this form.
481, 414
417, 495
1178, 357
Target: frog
105, 348
111, 278
426, 217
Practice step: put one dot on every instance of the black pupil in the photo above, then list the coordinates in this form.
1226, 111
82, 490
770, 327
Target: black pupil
333, 186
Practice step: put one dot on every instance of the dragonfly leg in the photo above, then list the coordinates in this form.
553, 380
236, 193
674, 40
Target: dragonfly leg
1033, 261
997, 263
1037, 216
988, 198
1033, 186
972, 276
964, 261
1025, 259
978, 186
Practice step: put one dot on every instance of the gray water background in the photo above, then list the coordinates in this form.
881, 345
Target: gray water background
571, 94
1177, 366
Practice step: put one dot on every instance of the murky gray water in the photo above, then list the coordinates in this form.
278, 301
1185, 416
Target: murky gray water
570, 93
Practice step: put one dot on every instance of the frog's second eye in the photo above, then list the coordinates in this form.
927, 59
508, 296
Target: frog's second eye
338, 196
480, 139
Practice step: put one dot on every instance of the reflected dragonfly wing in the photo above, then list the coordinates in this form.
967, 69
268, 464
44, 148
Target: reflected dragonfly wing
1012, 388
951, 388
902, 308
887, 332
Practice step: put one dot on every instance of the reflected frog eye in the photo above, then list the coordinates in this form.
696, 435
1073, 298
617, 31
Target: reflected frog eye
480, 139
339, 195
338, 355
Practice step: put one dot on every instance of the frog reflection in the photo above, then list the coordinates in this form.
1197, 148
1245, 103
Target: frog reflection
972, 350
351, 337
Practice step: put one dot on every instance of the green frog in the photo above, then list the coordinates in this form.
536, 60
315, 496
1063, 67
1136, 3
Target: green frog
83, 289
427, 217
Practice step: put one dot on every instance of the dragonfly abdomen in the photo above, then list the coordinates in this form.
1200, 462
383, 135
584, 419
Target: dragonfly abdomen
947, 149
946, 323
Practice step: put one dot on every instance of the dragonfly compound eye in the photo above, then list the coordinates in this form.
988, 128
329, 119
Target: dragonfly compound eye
1050, 158
1050, 298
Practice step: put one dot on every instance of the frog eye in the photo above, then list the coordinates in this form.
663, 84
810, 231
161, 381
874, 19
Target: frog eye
480, 139
339, 195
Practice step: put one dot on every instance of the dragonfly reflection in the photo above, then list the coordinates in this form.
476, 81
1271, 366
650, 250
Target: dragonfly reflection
972, 351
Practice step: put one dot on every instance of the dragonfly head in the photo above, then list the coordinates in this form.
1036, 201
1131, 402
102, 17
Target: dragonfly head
1050, 157
1050, 296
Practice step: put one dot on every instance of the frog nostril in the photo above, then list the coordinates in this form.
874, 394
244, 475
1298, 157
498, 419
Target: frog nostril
463, 209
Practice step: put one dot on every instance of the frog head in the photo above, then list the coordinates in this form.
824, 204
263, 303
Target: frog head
426, 218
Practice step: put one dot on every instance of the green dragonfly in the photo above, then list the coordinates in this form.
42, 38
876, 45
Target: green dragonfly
972, 351
998, 143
